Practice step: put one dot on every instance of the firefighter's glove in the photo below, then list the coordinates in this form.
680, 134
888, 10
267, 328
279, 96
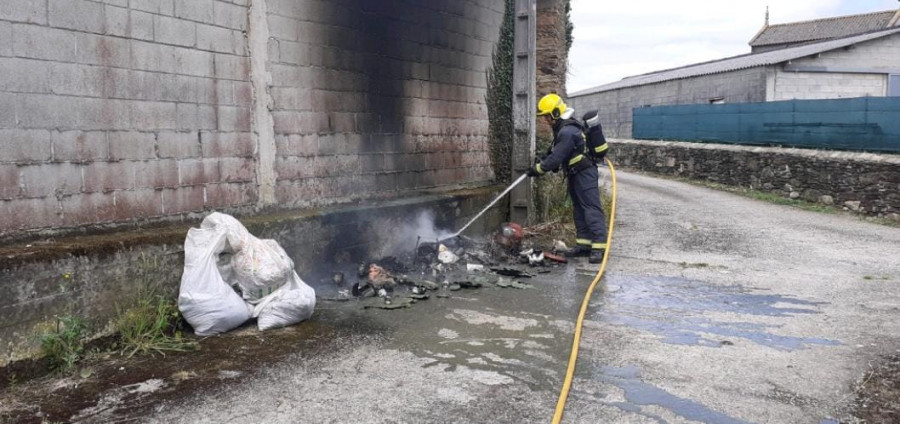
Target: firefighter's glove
533, 171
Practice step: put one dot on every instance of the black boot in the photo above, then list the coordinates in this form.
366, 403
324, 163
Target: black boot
596, 256
578, 252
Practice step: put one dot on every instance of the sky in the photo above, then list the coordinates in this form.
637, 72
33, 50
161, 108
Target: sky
616, 39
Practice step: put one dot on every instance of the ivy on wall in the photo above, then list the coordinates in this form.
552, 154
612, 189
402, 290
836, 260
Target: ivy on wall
499, 99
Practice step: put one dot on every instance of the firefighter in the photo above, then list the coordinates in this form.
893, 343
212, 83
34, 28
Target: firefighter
567, 153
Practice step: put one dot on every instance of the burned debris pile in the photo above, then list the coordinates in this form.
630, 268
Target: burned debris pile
439, 268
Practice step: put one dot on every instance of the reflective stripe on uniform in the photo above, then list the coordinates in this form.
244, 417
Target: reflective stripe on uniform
539, 169
583, 241
576, 159
598, 246
602, 148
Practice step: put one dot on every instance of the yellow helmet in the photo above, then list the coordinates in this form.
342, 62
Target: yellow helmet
552, 105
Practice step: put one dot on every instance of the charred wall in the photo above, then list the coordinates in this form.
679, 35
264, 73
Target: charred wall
373, 98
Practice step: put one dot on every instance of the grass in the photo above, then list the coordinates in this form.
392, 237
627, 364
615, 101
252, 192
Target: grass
64, 346
781, 200
148, 322
778, 199
151, 323
880, 278
765, 196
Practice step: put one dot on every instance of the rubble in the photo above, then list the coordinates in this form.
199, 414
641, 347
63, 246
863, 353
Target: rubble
555, 258
534, 257
560, 247
510, 235
446, 256
511, 271
379, 278
436, 269
505, 283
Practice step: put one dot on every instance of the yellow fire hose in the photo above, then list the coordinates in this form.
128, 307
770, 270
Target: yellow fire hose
573, 357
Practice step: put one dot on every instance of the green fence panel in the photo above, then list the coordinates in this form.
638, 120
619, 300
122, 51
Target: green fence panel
868, 123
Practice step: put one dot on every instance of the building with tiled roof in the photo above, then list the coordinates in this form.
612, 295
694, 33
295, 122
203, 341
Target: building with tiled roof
779, 36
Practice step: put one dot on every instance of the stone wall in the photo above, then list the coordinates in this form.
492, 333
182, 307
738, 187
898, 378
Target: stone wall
615, 106
863, 182
116, 111
552, 54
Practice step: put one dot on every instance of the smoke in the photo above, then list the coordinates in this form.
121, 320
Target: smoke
401, 238
424, 227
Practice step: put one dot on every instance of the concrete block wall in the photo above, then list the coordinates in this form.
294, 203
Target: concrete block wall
117, 110
616, 106
818, 85
878, 56
373, 98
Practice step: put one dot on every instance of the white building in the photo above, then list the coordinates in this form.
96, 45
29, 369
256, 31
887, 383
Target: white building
824, 59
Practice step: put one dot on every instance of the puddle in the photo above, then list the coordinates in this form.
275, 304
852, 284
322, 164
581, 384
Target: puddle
675, 309
639, 393
504, 322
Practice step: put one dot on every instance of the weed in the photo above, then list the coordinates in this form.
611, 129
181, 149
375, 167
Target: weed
765, 196
150, 324
881, 278
64, 346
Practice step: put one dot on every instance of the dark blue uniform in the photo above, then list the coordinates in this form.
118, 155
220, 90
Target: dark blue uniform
583, 181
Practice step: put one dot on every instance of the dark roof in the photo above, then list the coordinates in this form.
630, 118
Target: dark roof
740, 62
822, 29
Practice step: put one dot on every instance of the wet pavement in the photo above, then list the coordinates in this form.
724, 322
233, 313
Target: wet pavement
716, 309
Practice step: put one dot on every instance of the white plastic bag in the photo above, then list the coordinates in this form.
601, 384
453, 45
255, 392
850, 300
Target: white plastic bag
207, 302
290, 304
221, 254
258, 267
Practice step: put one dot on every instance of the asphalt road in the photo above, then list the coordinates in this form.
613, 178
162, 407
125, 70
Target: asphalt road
716, 309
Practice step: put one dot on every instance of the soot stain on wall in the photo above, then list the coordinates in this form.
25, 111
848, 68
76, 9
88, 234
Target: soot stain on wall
390, 36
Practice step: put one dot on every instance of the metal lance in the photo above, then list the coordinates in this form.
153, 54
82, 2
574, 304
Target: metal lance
493, 202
